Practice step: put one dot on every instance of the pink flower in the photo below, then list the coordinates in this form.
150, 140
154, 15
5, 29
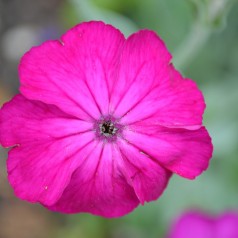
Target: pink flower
102, 122
199, 225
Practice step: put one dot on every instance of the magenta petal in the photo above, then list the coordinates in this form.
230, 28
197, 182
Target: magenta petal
143, 59
145, 175
102, 122
23, 121
47, 148
185, 152
98, 187
76, 74
148, 86
193, 225
227, 226
199, 225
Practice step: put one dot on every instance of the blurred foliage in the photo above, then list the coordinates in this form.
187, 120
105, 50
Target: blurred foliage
202, 35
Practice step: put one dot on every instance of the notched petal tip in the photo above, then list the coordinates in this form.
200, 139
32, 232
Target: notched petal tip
156, 47
87, 59
88, 27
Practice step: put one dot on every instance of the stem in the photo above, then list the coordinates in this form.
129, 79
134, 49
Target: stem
201, 30
194, 41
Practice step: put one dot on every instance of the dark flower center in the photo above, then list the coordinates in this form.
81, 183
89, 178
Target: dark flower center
107, 128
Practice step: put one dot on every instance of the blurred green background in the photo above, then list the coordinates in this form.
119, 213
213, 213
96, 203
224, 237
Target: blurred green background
203, 37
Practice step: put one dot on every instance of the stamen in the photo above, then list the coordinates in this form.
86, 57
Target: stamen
107, 128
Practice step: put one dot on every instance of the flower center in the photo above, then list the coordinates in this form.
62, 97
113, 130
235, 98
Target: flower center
107, 128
